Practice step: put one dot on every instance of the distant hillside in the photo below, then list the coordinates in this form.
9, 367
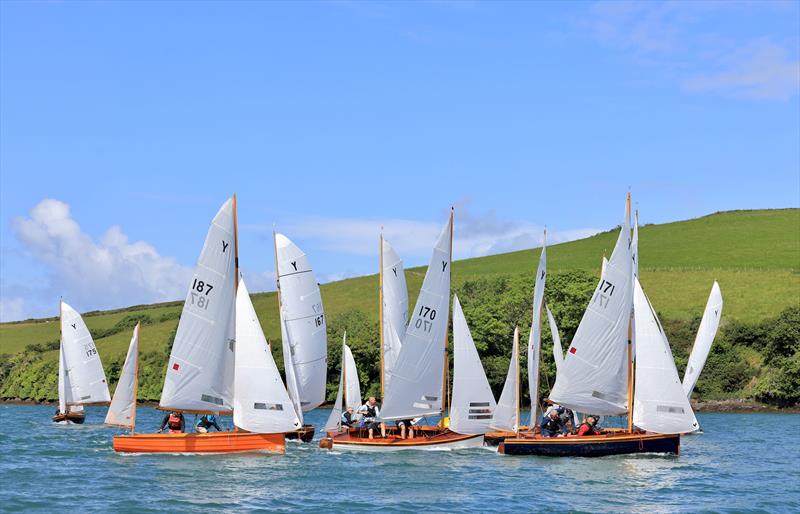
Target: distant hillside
754, 255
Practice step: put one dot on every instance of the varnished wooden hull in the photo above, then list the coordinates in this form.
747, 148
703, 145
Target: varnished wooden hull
497, 437
592, 446
213, 442
305, 434
428, 439
70, 418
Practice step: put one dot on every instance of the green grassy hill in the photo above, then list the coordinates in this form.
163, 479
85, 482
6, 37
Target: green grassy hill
754, 255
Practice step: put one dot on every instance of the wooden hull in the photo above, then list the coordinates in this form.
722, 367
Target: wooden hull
70, 418
620, 443
428, 439
305, 434
495, 438
216, 442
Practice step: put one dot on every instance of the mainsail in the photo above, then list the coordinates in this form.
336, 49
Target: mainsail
593, 376
702, 343
660, 404
122, 411
473, 402
304, 320
416, 381
535, 338
84, 375
506, 414
395, 306
260, 401
200, 371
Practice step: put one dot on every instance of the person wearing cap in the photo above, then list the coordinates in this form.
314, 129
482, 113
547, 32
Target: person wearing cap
347, 418
552, 425
589, 427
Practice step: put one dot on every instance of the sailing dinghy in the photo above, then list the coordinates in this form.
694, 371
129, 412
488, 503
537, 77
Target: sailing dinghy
81, 379
209, 372
597, 374
303, 331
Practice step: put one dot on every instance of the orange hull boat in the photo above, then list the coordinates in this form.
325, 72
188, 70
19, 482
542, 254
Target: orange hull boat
217, 442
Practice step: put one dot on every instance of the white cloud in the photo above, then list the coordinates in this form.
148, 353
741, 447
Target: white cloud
111, 272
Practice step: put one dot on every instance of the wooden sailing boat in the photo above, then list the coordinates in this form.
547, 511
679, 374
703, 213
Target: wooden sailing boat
593, 377
209, 371
81, 379
303, 331
415, 386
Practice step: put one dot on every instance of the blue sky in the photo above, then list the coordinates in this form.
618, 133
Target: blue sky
124, 126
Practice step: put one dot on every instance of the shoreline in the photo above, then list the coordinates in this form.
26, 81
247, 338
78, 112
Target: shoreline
723, 406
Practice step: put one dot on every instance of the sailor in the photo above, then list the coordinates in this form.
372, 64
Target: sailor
347, 418
206, 422
174, 420
552, 425
371, 413
405, 425
589, 427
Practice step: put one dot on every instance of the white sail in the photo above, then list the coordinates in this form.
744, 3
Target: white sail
301, 310
395, 307
603, 266
66, 398
260, 401
593, 376
122, 411
352, 386
289, 370
558, 353
660, 404
200, 370
705, 337
85, 374
334, 422
535, 338
473, 402
506, 413
416, 382
635, 248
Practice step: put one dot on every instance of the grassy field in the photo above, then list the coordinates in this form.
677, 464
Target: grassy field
755, 256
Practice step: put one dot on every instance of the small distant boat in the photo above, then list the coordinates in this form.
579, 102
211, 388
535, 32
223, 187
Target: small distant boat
220, 363
81, 379
303, 331
593, 377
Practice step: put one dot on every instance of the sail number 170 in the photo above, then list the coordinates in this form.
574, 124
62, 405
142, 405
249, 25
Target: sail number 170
423, 323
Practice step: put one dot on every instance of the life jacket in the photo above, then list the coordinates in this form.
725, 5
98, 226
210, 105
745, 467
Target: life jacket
174, 422
587, 429
371, 412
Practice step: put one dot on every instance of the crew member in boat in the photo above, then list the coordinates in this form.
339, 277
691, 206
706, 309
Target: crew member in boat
206, 422
371, 413
348, 419
174, 421
405, 426
552, 425
589, 427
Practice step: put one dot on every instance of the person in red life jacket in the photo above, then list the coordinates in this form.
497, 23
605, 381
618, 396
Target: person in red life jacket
589, 427
174, 421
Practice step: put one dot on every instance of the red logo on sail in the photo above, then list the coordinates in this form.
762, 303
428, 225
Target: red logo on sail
176, 366
572, 350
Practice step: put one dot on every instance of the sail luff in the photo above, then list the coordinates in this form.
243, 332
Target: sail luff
380, 317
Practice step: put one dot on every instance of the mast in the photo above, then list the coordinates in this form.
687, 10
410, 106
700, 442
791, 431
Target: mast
380, 298
630, 341
235, 247
135, 378
516, 344
61, 343
535, 389
446, 363
344, 373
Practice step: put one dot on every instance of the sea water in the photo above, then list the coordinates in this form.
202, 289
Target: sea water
741, 463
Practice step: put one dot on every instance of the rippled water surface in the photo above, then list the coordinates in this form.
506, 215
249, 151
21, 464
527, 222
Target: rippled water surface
743, 462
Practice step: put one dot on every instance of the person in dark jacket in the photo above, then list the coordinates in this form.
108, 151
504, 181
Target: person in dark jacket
347, 418
206, 422
371, 414
174, 421
552, 425
589, 427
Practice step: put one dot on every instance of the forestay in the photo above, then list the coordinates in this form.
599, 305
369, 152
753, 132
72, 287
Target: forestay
506, 414
302, 313
660, 404
704, 339
593, 377
395, 306
535, 337
473, 401
416, 383
85, 375
558, 353
200, 370
122, 411
260, 401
